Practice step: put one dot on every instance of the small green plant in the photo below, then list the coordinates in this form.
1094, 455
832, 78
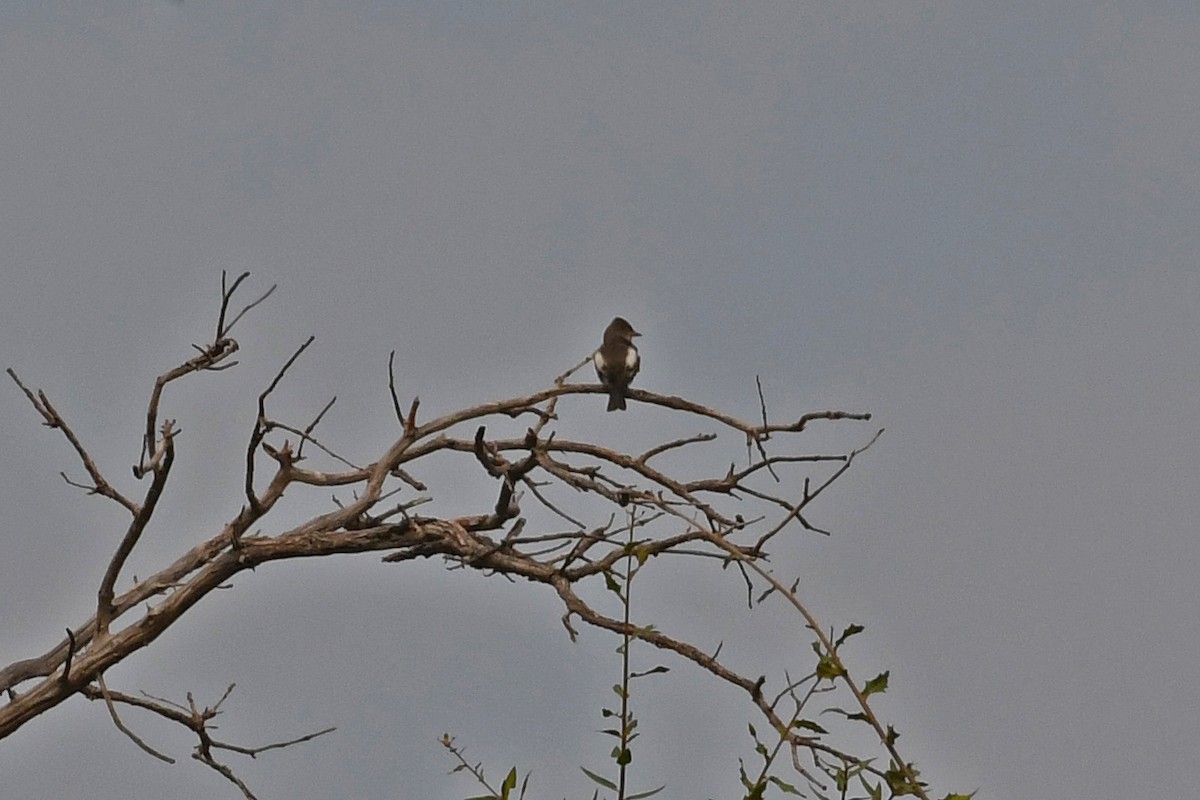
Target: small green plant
621, 585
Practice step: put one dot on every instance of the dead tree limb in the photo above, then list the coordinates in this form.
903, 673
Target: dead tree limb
729, 515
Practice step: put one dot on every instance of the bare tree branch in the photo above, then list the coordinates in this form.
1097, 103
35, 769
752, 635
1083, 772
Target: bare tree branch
196, 720
227, 295
727, 515
52, 419
162, 469
116, 718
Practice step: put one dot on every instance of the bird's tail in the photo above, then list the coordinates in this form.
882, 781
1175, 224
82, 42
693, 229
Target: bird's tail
616, 401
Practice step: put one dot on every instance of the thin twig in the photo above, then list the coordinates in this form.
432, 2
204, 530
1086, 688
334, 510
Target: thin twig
254, 751
262, 426
52, 419
66, 673
116, 718
305, 436
223, 329
392, 387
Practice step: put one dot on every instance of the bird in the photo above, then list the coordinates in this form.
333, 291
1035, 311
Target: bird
617, 361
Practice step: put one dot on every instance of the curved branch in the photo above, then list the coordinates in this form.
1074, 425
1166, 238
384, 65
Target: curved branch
691, 516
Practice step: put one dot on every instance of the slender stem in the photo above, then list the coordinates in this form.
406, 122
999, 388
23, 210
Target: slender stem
830, 650
623, 760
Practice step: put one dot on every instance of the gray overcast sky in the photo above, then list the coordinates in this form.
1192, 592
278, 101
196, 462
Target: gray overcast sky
976, 221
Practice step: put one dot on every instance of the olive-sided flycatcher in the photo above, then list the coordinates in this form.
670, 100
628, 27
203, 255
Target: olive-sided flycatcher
617, 361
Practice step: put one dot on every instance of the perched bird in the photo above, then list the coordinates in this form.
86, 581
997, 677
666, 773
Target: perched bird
617, 361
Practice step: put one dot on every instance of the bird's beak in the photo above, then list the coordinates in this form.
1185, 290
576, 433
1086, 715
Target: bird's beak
635, 333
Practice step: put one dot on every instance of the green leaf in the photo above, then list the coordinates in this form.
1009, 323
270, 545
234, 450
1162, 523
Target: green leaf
852, 630
641, 795
742, 773
607, 784
625, 757
877, 685
829, 669
785, 787
898, 782
808, 725
652, 671
510, 783
874, 790
857, 715
842, 777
